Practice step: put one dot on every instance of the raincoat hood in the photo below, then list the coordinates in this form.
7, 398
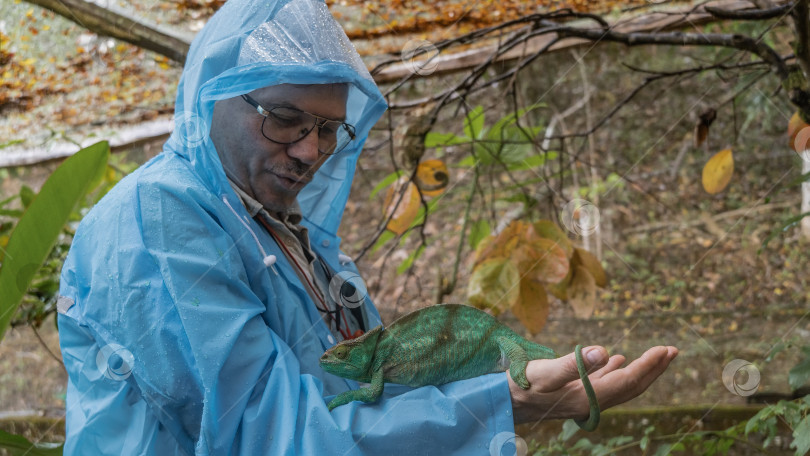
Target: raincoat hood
249, 45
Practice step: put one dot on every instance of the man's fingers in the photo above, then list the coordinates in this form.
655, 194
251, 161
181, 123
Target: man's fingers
624, 384
553, 374
613, 363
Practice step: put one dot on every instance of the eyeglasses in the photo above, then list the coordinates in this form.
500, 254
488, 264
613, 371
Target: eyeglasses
288, 125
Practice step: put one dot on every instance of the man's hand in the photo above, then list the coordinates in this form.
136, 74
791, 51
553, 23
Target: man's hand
556, 390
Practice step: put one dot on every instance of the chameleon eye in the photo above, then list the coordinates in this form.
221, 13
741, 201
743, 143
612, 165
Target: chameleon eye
341, 351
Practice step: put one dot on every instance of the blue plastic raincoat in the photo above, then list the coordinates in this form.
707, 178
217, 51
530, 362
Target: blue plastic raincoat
179, 340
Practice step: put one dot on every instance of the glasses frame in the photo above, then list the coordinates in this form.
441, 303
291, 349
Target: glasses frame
319, 122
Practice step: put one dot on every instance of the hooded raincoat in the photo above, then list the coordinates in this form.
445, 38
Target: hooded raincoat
176, 335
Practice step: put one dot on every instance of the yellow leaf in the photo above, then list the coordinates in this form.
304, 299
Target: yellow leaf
29, 13
582, 293
405, 213
531, 307
432, 177
717, 172
494, 284
29, 61
798, 133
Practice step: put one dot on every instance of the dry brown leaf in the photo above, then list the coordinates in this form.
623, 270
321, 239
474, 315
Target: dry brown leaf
582, 293
587, 260
531, 307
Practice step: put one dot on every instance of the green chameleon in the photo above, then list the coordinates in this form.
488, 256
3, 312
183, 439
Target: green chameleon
436, 345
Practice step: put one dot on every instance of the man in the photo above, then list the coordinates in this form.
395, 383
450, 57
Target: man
200, 292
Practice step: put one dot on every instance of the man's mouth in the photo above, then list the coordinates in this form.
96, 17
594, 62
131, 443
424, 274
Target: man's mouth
291, 181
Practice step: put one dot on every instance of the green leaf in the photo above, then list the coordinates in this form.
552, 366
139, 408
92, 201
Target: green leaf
18, 445
385, 237
40, 225
494, 284
474, 123
467, 162
569, 428
530, 162
411, 258
789, 223
26, 195
8, 200
478, 232
433, 139
800, 373
387, 180
801, 437
11, 143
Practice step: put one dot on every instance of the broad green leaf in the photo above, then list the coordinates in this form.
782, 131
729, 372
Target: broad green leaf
530, 162
468, 162
39, 227
474, 123
18, 445
569, 428
800, 373
801, 436
494, 284
496, 131
478, 232
433, 139
387, 180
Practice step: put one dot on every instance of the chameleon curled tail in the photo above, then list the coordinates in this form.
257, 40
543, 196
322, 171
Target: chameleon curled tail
436, 345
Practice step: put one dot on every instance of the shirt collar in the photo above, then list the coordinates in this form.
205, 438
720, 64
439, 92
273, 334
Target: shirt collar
292, 215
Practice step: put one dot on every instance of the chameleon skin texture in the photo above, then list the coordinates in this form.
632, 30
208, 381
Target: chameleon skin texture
436, 345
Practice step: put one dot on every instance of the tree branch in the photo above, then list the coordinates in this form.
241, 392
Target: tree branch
115, 25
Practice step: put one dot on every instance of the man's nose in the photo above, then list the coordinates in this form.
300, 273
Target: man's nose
306, 149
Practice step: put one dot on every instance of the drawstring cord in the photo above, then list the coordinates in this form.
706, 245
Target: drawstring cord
268, 260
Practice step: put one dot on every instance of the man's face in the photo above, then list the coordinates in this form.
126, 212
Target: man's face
272, 173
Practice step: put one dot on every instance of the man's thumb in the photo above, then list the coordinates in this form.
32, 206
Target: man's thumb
562, 370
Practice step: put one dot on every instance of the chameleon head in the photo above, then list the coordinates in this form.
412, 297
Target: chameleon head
352, 358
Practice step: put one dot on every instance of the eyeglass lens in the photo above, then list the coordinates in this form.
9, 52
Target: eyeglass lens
288, 125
